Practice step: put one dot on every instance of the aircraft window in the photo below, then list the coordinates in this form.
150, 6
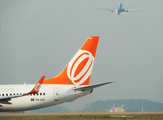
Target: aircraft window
2, 94
17, 93
14, 94
34, 94
37, 94
6, 94
10, 93
30, 94
43, 93
40, 93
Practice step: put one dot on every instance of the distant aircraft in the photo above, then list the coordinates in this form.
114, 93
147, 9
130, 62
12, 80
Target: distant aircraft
120, 9
70, 84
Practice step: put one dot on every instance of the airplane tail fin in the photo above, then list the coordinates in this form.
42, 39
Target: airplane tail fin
79, 69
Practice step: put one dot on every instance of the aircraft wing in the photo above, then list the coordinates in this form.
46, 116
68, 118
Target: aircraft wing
132, 9
33, 91
112, 10
89, 87
9, 97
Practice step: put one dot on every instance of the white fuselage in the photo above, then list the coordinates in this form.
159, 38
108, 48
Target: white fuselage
47, 96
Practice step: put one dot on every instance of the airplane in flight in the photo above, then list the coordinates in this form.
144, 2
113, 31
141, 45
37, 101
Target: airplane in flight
120, 9
70, 84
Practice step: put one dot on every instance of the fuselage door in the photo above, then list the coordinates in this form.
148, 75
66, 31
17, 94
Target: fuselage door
56, 94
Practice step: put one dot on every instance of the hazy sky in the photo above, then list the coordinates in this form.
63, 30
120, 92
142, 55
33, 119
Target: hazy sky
40, 37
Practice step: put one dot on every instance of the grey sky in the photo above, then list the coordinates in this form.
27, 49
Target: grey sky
40, 37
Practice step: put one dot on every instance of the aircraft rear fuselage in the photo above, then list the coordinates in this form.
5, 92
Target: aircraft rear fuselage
48, 95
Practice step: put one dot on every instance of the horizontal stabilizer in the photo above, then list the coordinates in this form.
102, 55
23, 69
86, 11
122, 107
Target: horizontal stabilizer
89, 87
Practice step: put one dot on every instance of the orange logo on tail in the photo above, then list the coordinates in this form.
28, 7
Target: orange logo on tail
37, 87
80, 67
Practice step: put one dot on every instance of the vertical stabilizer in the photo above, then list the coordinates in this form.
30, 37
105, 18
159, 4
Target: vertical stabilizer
79, 69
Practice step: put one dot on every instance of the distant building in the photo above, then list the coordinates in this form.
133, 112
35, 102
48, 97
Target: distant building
142, 109
117, 109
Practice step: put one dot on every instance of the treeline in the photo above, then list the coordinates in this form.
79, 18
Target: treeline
130, 105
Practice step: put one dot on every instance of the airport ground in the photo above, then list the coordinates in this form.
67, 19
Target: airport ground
84, 116
90, 118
